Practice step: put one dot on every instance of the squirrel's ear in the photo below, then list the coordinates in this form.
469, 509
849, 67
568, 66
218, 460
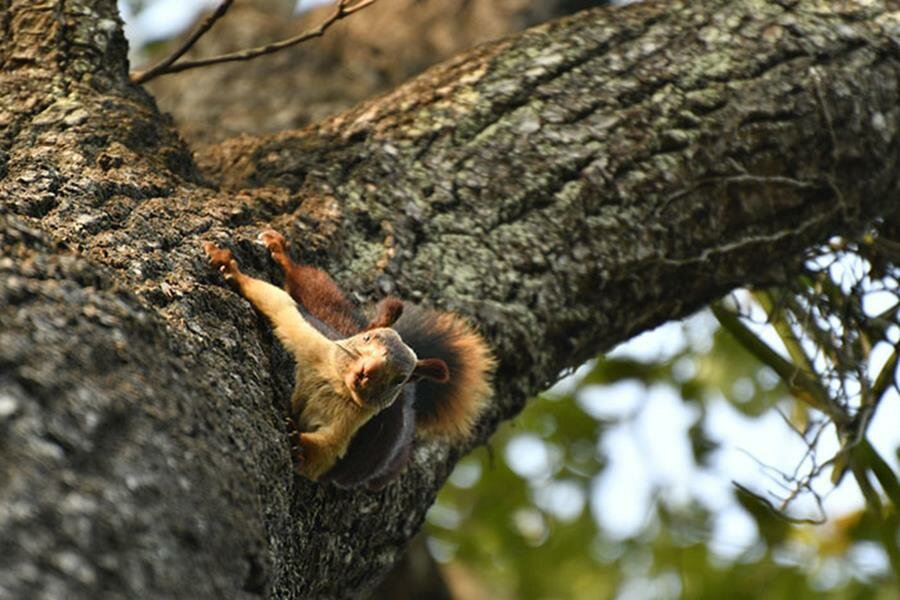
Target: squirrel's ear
386, 314
431, 368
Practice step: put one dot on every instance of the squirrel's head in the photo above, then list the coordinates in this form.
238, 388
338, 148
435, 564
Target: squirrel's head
376, 364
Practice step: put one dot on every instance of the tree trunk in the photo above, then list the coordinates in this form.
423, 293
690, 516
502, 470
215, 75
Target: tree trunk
566, 188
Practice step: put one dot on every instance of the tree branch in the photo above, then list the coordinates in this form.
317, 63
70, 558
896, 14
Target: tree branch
343, 9
162, 67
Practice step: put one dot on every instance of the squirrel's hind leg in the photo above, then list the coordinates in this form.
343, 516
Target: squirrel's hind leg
313, 288
277, 247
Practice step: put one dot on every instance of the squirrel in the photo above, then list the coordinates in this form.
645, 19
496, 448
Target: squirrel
361, 390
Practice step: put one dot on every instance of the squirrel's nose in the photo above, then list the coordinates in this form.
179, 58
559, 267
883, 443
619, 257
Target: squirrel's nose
362, 376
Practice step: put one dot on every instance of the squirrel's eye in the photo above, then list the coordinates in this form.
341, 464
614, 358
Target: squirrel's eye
367, 337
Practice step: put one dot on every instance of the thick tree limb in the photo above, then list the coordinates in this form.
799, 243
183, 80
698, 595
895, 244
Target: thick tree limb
567, 188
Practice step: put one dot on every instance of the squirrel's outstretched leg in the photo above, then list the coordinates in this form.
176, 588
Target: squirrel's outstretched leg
313, 288
294, 332
277, 247
318, 293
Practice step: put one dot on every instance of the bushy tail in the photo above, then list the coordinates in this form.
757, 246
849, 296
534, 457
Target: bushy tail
448, 409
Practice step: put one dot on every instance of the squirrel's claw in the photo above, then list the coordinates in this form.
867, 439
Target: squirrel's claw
272, 240
292, 430
221, 259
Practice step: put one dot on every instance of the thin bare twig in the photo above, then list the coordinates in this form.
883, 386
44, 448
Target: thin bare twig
162, 66
343, 9
776, 512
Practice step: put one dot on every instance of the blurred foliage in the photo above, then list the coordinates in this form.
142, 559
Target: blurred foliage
527, 527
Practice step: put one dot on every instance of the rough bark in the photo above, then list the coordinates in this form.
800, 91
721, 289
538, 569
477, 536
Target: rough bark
358, 58
566, 188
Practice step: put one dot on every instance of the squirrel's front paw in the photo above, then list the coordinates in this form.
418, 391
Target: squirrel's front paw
297, 459
273, 241
221, 259
296, 448
293, 432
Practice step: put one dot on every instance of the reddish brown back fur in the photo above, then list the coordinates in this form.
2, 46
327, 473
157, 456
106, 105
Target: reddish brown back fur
320, 295
313, 288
